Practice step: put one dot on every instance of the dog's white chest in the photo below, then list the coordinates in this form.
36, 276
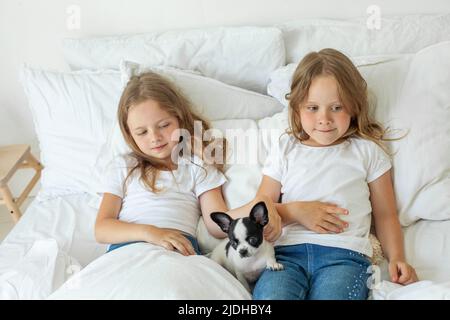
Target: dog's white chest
252, 273
250, 267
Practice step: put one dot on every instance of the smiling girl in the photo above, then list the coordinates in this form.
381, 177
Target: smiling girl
334, 154
152, 195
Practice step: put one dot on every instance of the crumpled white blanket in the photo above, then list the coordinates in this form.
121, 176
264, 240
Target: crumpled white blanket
421, 290
41, 270
146, 271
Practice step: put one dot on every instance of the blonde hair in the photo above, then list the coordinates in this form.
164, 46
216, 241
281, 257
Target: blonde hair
152, 86
352, 89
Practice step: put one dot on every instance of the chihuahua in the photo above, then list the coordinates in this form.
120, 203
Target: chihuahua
245, 253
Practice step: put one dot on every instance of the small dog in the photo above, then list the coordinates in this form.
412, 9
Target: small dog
245, 253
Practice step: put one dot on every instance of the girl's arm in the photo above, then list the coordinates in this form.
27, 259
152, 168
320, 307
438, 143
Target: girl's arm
213, 201
108, 229
388, 230
317, 216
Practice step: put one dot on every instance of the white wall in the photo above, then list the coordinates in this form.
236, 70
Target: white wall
31, 32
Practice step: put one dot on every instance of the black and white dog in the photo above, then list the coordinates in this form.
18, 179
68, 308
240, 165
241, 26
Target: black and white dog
245, 253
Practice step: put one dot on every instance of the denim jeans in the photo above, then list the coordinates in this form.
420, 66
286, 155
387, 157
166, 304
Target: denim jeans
315, 272
189, 237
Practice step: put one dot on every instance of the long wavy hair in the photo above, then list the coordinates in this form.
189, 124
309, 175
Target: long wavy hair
352, 89
153, 86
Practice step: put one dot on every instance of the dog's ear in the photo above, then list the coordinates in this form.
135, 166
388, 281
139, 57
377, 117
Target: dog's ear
222, 219
260, 214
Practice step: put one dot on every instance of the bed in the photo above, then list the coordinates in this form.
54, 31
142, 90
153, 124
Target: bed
245, 71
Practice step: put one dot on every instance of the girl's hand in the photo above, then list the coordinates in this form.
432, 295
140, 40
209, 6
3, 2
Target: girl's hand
320, 217
402, 273
272, 230
170, 239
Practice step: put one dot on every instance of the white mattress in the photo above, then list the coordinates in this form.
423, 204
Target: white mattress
55, 239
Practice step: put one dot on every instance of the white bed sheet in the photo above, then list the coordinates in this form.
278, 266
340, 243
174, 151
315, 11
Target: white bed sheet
427, 248
53, 240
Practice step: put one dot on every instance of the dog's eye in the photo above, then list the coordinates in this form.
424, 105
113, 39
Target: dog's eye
234, 243
253, 241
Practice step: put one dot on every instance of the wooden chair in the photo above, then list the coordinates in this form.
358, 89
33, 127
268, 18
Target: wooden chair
13, 158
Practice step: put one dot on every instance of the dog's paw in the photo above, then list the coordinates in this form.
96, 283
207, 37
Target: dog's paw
275, 266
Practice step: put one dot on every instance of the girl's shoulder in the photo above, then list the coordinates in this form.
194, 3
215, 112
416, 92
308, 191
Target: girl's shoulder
196, 160
198, 169
366, 147
192, 164
191, 161
122, 161
285, 143
364, 143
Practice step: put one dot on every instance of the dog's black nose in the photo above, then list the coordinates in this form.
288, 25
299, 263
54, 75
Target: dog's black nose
243, 252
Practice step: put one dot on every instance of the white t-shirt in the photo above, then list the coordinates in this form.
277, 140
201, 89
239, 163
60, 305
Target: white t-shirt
337, 174
176, 206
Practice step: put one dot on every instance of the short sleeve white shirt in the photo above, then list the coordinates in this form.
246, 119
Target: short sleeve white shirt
338, 174
176, 206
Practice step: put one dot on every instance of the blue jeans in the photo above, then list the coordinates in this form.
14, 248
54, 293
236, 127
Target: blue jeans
189, 237
315, 272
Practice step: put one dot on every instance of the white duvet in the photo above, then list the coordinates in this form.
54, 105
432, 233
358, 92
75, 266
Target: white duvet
52, 253
54, 242
145, 271
51, 242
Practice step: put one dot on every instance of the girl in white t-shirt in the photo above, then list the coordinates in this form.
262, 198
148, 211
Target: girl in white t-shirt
157, 193
332, 153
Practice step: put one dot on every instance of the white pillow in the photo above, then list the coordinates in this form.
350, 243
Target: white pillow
211, 98
280, 83
397, 34
241, 56
243, 170
412, 93
73, 115
422, 165
270, 131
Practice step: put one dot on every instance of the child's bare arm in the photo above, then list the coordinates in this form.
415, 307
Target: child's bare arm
269, 191
388, 229
212, 201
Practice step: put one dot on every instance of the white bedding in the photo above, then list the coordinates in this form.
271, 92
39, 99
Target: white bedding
54, 240
427, 247
51, 241
145, 271
427, 244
